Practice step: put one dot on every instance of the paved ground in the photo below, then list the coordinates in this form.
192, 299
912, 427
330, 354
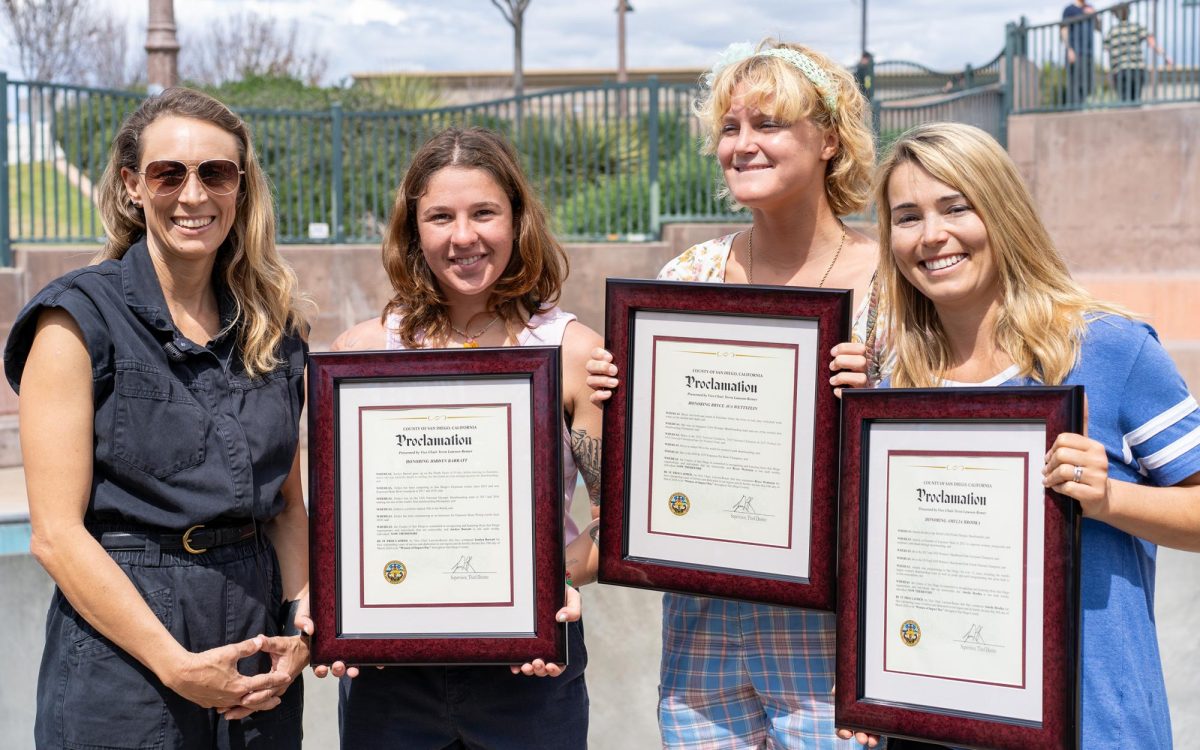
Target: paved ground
622, 640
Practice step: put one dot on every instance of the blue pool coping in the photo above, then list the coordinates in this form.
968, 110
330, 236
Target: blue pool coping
14, 535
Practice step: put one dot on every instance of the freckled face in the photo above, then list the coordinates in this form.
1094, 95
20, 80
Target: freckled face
465, 223
939, 242
767, 162
190, 223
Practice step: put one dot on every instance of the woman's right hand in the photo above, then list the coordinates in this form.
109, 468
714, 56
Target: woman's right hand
602, 375
211, 678
849, 365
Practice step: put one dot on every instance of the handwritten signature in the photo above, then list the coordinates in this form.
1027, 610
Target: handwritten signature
745, 505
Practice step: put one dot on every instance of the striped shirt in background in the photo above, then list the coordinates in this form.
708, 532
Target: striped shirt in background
1124, 44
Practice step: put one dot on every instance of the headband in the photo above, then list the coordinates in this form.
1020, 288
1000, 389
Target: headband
816, 75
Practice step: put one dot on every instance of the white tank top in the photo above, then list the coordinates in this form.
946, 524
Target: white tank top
546, 328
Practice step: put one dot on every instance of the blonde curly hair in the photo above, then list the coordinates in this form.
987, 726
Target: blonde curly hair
777, 84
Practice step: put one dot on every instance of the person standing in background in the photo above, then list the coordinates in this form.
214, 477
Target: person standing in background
1124, 44
1079, 22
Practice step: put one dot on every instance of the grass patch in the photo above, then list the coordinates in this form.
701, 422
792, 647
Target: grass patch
44, 205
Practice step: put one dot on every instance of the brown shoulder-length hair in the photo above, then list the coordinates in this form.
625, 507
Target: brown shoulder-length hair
535, 272
267, 303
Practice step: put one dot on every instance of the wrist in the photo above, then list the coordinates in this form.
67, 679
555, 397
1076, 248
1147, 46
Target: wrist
169, 663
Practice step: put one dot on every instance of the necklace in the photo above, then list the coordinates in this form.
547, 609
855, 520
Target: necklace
750, 256
472, 342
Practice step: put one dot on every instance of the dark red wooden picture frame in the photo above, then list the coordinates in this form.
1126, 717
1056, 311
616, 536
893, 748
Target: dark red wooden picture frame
327, 371
830, 308
1060, 408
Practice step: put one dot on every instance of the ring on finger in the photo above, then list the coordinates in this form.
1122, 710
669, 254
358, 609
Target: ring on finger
1078, 475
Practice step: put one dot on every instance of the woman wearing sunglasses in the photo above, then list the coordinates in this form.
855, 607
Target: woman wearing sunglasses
160, 397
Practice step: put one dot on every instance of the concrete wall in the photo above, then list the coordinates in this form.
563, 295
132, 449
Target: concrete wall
1119, 191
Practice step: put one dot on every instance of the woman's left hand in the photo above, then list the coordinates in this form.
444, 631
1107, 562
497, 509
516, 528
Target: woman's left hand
1077, 467
849, 364
863, 738
572, 610
289, 655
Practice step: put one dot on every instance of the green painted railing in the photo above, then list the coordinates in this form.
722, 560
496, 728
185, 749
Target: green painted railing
982, 106
612, 162
904, 79
1151, 56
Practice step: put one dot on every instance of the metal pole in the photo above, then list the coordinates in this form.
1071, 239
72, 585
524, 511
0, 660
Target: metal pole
622, 73
339, 197
162, 48
863, 35
652, 176
5, 240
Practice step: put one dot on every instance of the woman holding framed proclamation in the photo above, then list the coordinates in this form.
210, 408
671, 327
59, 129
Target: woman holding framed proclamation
978, 295
791, 131
472, 262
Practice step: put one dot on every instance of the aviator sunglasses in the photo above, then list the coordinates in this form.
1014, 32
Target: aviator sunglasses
166, 176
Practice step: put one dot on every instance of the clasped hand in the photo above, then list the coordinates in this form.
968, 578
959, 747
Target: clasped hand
211, 678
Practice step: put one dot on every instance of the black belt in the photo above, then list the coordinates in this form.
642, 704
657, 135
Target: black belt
195, 540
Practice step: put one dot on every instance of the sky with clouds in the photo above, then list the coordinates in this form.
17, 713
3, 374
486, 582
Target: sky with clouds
436, 35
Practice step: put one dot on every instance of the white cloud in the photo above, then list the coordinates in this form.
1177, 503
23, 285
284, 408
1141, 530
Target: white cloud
381, 35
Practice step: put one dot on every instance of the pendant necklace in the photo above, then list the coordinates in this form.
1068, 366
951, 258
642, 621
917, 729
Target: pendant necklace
472, 342
750, 256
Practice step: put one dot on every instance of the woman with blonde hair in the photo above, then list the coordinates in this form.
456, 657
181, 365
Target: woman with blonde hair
472, 263
791, 131
160, 400
977, 294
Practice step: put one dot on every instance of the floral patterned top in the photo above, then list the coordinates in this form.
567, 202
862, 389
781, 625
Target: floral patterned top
706, 262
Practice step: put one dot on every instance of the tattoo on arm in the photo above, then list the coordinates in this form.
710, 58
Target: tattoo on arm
586, 450
594, 533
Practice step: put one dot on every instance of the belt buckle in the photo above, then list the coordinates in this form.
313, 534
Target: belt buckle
187, 540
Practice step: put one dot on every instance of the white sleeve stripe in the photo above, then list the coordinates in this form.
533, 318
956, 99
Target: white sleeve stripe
1156, 425
1173, 451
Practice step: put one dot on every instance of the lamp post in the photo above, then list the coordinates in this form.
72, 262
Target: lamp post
162, 48
863, 34
623, 7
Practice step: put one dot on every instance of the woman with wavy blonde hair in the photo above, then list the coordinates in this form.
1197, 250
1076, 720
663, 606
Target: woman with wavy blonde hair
473, 263
978, 295
161, 391
1043, 313
792, 133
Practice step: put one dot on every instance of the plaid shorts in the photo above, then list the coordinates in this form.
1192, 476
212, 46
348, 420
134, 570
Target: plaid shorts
737, 675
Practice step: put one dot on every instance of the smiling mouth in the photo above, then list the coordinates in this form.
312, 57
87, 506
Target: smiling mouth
466, 261
751, 167
198, 223
938, 264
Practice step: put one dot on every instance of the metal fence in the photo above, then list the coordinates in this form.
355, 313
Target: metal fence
611, 162
982, 106
904, 79
1140, 52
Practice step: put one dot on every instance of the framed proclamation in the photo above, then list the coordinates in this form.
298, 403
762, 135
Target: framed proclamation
436, 506
958, 576
719, 461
